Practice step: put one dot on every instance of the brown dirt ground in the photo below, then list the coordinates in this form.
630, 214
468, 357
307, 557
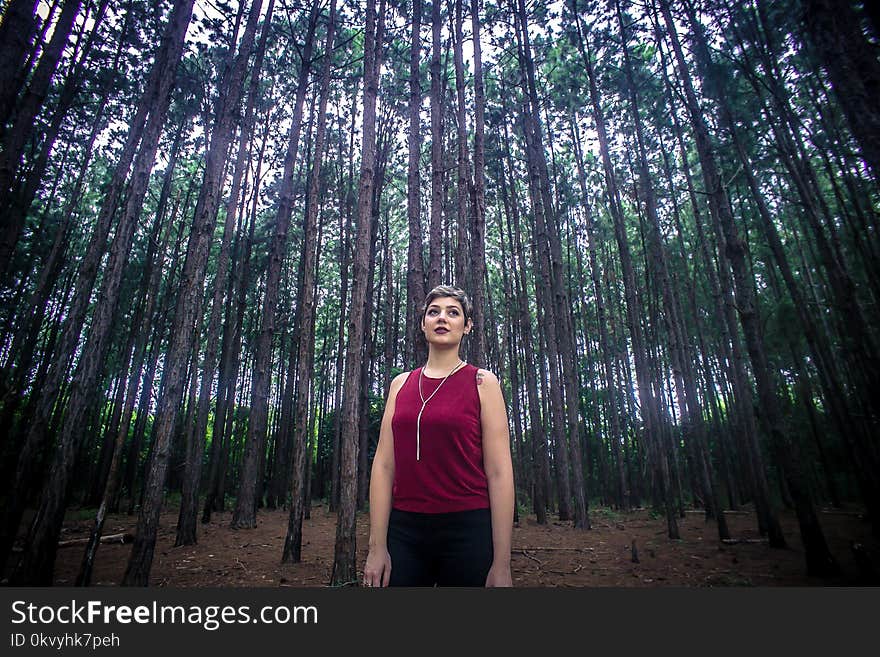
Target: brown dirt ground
552, 555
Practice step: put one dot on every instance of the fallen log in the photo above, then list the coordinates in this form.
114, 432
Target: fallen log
733, 541
553, 549
123, 537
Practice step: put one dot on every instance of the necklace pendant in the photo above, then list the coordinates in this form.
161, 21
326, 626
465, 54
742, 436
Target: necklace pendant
425, 401
418, 433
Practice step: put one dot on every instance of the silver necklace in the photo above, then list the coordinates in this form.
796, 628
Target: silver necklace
425, 401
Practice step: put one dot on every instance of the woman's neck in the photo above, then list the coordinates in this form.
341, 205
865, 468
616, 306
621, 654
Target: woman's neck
442, 361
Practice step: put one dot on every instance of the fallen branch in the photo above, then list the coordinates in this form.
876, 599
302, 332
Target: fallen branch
555, 549
732, 541
123, 537
535, 559
727, 512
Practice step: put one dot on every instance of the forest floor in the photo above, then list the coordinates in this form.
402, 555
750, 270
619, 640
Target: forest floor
550, 555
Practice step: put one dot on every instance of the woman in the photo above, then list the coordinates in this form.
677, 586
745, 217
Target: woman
441, 488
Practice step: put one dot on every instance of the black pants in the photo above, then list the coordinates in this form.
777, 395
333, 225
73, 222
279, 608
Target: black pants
440, 549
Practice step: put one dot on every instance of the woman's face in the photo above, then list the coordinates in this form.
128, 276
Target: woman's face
444, 321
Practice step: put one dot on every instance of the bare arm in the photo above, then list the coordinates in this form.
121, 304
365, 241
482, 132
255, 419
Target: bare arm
377, 570
499, 472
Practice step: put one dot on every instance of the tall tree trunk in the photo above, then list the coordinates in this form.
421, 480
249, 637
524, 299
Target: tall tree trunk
537, 440
478, 206
187, 314
17, 29
16, 137
38, 560
344, 564
650, 417
346, 245
622, 492
292, 551
544, 226
189, 503
417, 351
373, 303
522, 474
819, 558
435, 254
462, 272
247, 499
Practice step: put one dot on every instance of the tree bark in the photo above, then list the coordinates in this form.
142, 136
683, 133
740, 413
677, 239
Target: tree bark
189, 503
819, 558
568, 460
16, 33
38, 561
247, 499
462, 272
435, 254
187, 313
417, 351
537, 440
650, 418
15, 138
344, 559
292, 551
621, 489
478, 205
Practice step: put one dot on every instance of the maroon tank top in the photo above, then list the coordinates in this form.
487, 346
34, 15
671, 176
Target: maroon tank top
448, 475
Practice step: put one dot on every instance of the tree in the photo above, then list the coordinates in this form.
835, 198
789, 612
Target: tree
38, 561
344, 565
306, 314
186, 314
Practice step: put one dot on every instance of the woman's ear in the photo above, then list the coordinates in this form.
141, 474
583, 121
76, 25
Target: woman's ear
468, 325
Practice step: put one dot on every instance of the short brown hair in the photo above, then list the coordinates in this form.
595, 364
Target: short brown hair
453, 292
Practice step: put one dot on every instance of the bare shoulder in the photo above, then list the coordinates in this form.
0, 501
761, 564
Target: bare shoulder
399, 379
486, 378
396, 384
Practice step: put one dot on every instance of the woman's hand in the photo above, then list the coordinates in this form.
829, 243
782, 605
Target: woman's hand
499, 576
377, 571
